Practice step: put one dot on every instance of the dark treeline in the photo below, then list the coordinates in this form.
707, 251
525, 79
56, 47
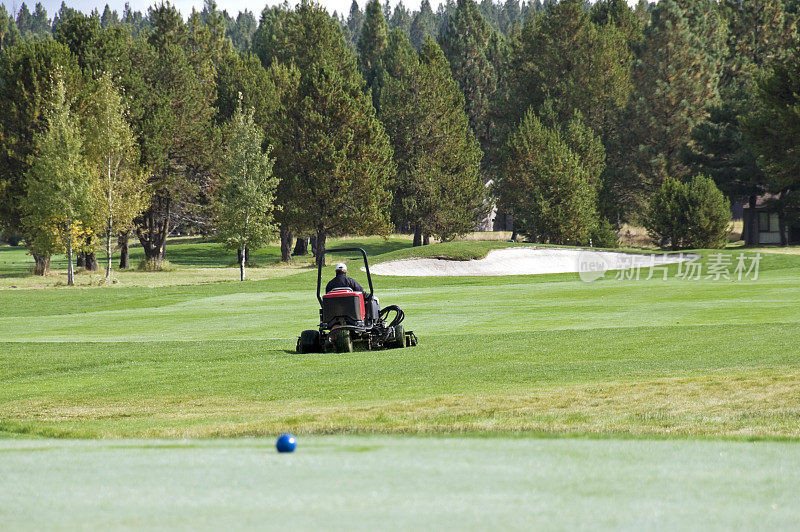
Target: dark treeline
28, 25
570, 117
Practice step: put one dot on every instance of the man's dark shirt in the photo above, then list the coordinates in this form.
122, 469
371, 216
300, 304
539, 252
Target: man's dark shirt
343, 281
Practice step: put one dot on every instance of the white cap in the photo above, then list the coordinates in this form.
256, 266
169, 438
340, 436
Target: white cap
341, 267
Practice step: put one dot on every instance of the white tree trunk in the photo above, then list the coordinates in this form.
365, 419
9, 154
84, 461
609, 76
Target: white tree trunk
108, 253
70, 270
110, 223
243, 254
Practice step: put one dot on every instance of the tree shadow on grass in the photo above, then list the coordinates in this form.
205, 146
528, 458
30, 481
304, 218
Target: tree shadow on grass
15, 262
372, 248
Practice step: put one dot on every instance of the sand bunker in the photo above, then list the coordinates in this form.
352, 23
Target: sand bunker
530, 261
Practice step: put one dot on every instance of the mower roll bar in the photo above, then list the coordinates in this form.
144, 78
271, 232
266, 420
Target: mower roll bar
366, 266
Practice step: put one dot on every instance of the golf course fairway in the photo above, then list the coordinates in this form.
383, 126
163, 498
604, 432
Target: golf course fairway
537, 400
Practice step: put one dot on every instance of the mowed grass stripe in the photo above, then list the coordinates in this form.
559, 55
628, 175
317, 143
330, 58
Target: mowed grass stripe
432, 311
745, 404
434, 387
594, 353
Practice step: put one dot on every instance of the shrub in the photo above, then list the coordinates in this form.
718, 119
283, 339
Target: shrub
666, 220
604, 235
154, 266
689, 215
709, 216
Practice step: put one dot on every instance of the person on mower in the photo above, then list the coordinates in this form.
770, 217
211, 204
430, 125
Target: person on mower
342, 280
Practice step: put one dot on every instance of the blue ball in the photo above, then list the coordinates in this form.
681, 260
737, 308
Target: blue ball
286, 443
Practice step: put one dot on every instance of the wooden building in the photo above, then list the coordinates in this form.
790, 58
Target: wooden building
768, 224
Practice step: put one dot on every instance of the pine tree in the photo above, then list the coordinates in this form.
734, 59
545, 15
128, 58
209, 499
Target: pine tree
623, 26
341, 159
5, 25
120, 191
40, 23
83, 36
109, 17
510, 16
24, 20
280, 132
247, 187
65, 14
490, 12
9, 34
271, 39
387, 10
26, 70
676, 77
709, 214
772, 129
667, 214
438, 191
564, 57
58, 184
240, 79
219, 22
457, 158
472, 48
174, 129
241, 34
643, 11
355, 21
618, 13
720, 150
371, 47
547, 185
423, 25
401, 18
267, 92
134, 20
759, 34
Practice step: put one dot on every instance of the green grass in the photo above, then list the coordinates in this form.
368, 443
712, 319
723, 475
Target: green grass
369, 483
532, 402
529, 354
193, 261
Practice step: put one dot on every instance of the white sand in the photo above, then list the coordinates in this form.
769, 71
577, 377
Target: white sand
531, 261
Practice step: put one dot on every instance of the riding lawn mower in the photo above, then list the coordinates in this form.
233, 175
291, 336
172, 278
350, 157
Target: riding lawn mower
351, 319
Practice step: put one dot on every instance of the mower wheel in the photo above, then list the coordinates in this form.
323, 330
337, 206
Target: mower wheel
308, 342
411, 339
343, 341
399, 336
